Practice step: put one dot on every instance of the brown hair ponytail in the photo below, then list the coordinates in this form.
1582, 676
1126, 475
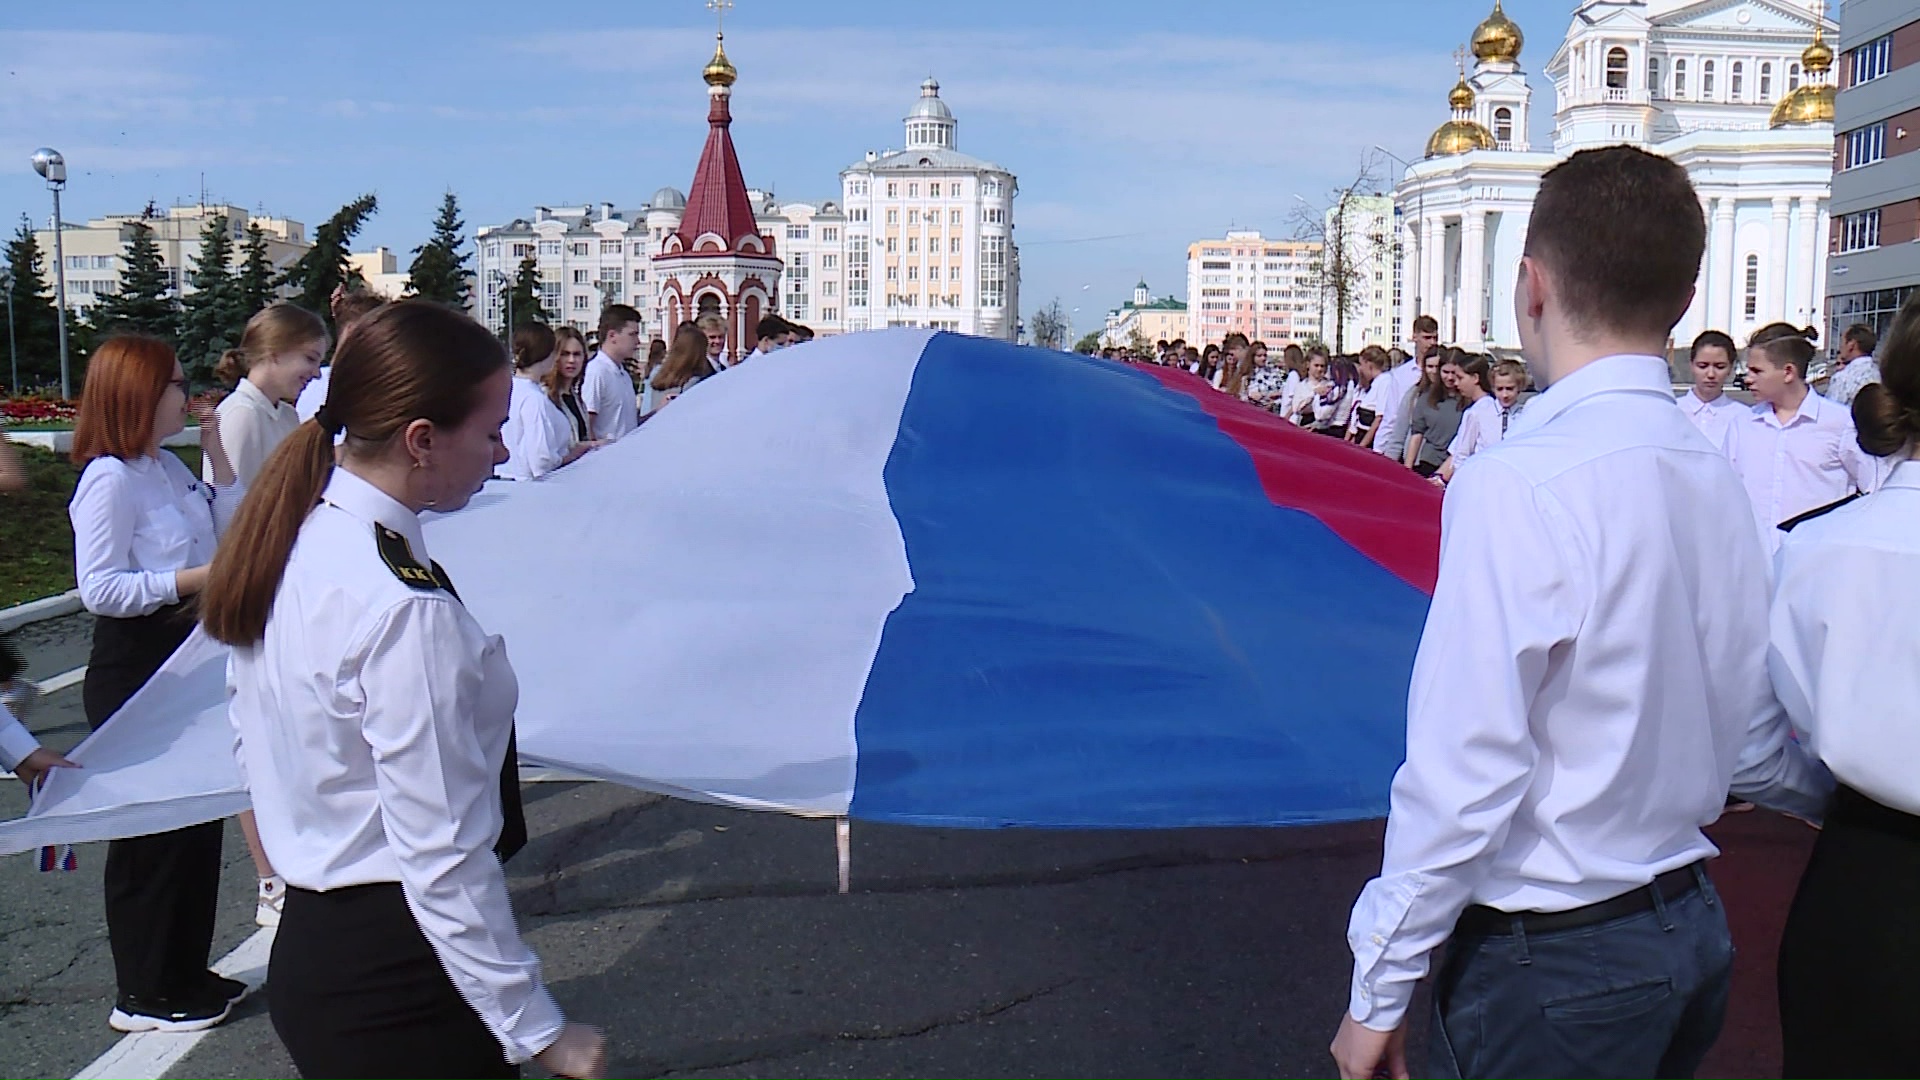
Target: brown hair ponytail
408, 361
1886, 414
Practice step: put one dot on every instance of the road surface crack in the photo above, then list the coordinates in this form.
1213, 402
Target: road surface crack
751, 1051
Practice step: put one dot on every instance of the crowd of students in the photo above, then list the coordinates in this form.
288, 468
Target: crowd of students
1432, 407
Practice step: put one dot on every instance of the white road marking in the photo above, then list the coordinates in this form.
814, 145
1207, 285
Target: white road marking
63, 680
148, 1055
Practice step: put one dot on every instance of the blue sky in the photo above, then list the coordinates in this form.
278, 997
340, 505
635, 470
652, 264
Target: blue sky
1134, 127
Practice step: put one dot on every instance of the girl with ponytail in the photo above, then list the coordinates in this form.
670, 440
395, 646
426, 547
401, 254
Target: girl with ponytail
1843, 649
375, 723
278, 355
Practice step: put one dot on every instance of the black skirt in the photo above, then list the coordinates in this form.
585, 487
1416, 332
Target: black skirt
356, 990
1851, 945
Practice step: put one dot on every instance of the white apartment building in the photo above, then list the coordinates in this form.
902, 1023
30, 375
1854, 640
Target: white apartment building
1266, 289
1368, 236
96, 252
919, 237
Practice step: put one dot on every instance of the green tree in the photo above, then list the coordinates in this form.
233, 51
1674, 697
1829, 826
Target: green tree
324, 266
520, 298
439, 270
143, 304
1089, 343
36, 329
1049, 326
213, 316
256, 276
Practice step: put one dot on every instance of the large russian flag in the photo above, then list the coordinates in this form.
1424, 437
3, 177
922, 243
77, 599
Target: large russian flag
928, 578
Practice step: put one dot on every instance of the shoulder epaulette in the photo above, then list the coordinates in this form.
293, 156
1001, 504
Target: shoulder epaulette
398, 555
1819, 511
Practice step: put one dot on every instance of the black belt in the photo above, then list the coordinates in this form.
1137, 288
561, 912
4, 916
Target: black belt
1482, 921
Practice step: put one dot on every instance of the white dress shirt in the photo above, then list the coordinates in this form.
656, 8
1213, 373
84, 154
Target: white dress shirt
1479, 429
16, 742
371, 724
537, 433
1844, 639
313, 395
136, 524
608, 395
1591, 681
1847, 382
251, 429
1715, 418
1810, 461
1394, 386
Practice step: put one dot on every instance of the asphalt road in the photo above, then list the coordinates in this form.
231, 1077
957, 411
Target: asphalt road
711, 942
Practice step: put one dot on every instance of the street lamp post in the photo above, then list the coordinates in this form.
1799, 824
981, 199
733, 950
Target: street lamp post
1420, 235
13, 349
49, 164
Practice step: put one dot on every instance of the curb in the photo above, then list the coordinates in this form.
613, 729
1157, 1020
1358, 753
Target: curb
51, 607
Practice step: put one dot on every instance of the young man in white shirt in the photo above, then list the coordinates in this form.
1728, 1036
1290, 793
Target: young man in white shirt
1855, 366
1795, 450
1591, 682
1395, 389
774, 333
1707, 404
605, 388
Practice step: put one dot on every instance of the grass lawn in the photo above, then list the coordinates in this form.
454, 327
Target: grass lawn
36, 540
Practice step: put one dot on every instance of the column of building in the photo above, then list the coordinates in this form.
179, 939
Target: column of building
1435, 264
1720, 252
1778, 268
1473, 272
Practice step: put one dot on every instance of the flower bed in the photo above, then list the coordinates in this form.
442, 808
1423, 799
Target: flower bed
36, 412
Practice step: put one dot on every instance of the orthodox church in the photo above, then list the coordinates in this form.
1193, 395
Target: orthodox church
1739, 92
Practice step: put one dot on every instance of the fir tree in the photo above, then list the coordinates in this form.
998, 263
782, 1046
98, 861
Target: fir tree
324, 266
144, 304
213, 316
36, 327
256, 271
521, 298
439, 270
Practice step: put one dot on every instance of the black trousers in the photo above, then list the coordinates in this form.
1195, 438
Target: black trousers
161, 890
355, 990
1851, 946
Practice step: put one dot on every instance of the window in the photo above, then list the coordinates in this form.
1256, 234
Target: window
893, 216
1871, 61
893, 245
103, 262
830, 314
829, 261
1866, 145
953, 216
993, 271
1752, 306
580, 249
610, 273
1736, 77
830, 234
893, 191
639, 276
797, 232
857, 283
913, 245
893, 273
913, 217
76, 262
521, 251
1653, 75
582, 302
1502, 131
1859, 232
933, 191
1706, 80
857, 215
913, 191
1766, 81
1793, 77
829, 288
1616, 68
1679, 78
639, 249
953, 272
580, 277
610, 247
913, 273
953, 245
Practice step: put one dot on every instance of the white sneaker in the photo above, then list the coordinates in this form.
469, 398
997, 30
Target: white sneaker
273, 896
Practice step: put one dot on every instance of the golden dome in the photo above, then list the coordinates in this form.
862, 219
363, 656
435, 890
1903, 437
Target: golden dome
720, 70
1459, 137
1498, 38
1461, 96
1812, 103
